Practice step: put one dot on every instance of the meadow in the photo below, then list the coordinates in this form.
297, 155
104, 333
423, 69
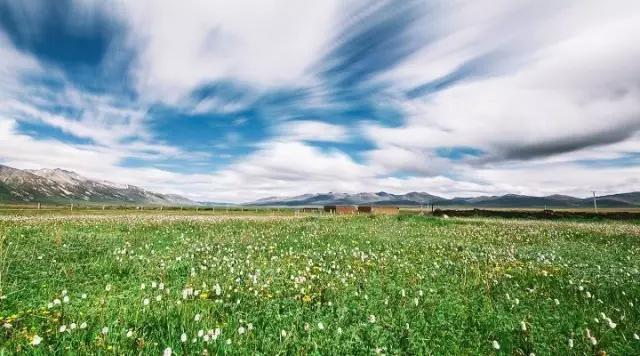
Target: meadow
203, 284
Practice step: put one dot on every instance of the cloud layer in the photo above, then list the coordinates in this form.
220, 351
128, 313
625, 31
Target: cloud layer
235, 102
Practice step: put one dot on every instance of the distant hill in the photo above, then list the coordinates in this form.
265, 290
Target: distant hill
622, 200
62, 186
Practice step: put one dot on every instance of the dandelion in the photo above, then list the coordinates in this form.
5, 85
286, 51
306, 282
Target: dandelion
495, 345
105, 330
167, 352
183, 337
36, 340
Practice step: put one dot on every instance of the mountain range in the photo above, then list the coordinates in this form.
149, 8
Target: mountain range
62, 186
622, 200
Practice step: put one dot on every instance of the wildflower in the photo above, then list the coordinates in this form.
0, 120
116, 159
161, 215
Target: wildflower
154, 285
556, 301
57, 301
84, 296
636, 336
241, 330
161, 286
105, 330
63, 328
320, 326
372, 318
339, 331
183, 337
65, 299
145, 301
306, 327
570, 343
197, 317
129, 333
158, 298
523, 326
36, 340
143, 286
83, 325
108, 287
228, 341
167, 352
73, 326
249, 326
495, 345
283, 333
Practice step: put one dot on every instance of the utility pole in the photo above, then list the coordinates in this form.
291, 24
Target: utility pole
595, 203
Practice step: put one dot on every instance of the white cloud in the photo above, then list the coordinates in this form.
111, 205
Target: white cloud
310, 130
181, 45
577, 88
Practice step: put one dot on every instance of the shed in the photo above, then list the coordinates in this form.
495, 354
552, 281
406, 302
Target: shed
341, 209
379, 210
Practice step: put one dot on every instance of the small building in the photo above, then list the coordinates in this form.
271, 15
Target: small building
378, 210
341, 209
310, 210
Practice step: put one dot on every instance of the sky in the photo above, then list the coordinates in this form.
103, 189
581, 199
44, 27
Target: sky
238, 100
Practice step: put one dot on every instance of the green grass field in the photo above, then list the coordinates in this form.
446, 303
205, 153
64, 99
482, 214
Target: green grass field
144, 283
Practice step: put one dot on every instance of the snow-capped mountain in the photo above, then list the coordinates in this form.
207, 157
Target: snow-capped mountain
421, 198
59, 185
379, 198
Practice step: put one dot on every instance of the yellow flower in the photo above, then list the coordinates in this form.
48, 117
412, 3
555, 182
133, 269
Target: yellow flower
204, 295
306, 298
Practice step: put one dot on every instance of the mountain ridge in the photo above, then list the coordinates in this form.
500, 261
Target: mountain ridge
60, 185
623, 200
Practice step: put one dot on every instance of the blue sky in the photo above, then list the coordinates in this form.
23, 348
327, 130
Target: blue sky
233, 102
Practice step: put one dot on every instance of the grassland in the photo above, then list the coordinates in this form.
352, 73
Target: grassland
153, 283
